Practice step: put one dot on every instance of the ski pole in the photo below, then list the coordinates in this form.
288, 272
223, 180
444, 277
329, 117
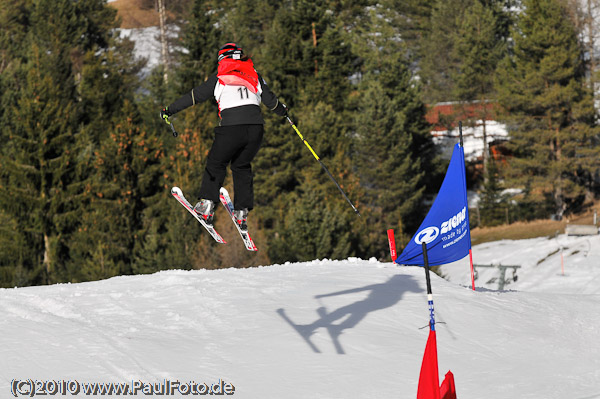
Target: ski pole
166, 119
173, 129
322, 164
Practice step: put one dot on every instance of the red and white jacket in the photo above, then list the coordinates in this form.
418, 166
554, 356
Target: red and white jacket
238, 93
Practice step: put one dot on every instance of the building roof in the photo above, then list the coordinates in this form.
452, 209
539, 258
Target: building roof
447, 114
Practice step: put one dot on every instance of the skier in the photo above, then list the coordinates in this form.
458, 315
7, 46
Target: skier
238, 90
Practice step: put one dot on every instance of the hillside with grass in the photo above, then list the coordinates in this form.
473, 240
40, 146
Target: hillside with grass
532, 229
135, 14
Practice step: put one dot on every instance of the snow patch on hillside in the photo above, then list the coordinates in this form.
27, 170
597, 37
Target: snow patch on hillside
147, 44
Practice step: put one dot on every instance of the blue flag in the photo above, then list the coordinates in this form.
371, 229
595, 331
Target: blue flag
445, 229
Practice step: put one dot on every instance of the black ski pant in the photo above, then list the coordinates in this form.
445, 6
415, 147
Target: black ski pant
236, 145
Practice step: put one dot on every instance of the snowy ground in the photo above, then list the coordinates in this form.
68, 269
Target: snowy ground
322, 329
561, 264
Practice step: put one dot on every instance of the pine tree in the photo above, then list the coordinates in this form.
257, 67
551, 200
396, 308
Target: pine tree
310, 64
37, 163
106, 79
124, 185
437, 56
172, 235
199, 40
395, 158
245, 21
479, 46
14, 25
324, 231
542, 86
77, 79
280, 156
493, 205
412, 18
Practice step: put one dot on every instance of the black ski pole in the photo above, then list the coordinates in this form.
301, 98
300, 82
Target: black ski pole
429, 293
166, 119
322, 164
173, 129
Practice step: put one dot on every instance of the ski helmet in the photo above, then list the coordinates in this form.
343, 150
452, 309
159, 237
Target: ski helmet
230, 50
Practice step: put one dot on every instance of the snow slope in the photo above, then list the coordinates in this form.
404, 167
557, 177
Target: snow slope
561, 264
357, 334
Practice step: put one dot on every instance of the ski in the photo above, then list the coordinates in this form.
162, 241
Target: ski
226, 201
178, 194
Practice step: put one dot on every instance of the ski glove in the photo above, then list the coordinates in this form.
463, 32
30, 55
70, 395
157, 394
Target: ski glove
281, 109
164, 114
286, 114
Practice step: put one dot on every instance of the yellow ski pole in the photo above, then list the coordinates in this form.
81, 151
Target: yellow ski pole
322, 164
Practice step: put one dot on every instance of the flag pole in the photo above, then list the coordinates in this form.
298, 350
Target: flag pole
429, 293
472, 270
470, 252
429, 379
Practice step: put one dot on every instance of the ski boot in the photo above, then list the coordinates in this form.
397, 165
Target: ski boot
241, 218
206, 209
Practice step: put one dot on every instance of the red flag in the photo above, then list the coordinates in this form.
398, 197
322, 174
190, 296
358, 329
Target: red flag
392, 242
448, 390
429, 380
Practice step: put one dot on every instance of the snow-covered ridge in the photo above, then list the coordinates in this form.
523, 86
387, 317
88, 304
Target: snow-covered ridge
326, 329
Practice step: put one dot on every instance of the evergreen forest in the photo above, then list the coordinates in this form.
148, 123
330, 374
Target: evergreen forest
86, 164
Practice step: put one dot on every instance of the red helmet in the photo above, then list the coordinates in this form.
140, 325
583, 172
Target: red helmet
230, 50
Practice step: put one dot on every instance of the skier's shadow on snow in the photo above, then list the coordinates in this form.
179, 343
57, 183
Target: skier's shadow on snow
381, 296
